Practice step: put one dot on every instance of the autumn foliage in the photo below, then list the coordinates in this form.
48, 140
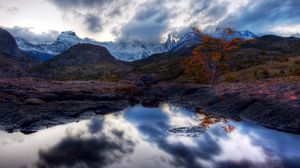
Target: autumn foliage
210, 58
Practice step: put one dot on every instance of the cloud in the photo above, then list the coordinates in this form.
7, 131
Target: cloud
10, 9
76, 151
29, 35
79, 3
150, 20
264, 15
93, 22
148, 24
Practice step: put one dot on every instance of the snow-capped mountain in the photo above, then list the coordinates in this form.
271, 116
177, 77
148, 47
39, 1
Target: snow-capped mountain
190, 38
134, 50
46, 51
297, 35
231, 34
187, 40
126, 51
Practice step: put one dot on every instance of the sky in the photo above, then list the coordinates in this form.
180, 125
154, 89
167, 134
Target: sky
145, 20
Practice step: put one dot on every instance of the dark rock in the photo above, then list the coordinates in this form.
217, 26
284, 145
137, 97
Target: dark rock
144, 80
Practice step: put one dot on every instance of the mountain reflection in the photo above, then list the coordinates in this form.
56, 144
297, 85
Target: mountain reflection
139, 137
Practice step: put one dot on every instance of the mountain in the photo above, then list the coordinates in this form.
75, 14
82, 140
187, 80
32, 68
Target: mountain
168, 66
10, 67
190, 39
82, 54
126, 51
231, 34
82, 61
297, 35
13, 61
8, 44
46, 51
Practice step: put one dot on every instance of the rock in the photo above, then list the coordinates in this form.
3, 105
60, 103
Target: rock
150, 101
34, 101
62, 102
193, 131
144, 80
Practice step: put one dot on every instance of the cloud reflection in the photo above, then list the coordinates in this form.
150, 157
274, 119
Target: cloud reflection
139, 137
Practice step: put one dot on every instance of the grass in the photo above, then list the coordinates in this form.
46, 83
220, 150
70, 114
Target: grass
107, 72
272, 69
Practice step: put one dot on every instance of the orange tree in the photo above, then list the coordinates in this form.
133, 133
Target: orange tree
210, 58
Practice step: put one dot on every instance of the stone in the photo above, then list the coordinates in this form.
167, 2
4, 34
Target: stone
34, 101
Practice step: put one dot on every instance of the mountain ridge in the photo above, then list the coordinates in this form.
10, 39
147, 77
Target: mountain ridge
125, 51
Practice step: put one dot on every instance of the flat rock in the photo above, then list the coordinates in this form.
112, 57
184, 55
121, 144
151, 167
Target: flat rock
34, 101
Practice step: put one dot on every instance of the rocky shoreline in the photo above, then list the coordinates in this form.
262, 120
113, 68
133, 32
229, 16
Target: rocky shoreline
28, 105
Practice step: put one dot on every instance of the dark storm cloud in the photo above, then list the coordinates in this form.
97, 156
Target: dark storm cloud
152, 18
26, 33
80, 3
263, 15
76, 151
148, 24
93, 23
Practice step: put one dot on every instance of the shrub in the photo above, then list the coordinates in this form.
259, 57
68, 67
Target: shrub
297, 62
295, 72
231, 78
282, 59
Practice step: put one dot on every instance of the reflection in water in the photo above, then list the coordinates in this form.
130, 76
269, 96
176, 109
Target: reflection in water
152, 137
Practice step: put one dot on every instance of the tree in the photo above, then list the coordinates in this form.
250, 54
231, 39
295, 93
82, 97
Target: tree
211, 57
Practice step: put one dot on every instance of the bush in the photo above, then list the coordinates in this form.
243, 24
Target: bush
282, 59
231, 78
262, 74
297, 62
295, 72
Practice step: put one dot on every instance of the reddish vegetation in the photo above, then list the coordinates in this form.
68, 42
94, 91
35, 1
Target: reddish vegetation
54, 86
273, 89
210, 120
228, 128
210, 58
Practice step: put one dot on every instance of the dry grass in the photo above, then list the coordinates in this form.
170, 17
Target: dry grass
273, 69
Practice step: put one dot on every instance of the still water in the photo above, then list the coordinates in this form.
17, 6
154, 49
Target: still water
141, 137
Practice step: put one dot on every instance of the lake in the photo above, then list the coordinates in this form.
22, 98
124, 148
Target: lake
166, 136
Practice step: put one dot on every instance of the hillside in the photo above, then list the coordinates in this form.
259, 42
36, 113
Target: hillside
13, 61
82, 61
264, 49
10, 67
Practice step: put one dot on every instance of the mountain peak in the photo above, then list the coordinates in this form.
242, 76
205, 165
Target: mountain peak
231, 33
67, 35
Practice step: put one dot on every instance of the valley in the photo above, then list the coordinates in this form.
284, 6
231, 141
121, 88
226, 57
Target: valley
87, 80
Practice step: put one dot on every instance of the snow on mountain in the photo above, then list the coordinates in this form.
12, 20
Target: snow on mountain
134, 50
187, 40
231, 34
297, 35
126, 51
190, 38
46, 51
